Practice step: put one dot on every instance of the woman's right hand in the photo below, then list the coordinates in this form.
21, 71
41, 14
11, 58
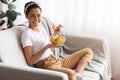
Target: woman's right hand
57, 29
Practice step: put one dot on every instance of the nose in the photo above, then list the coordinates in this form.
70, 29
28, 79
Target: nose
36, 18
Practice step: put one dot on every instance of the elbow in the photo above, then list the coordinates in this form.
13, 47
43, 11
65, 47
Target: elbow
29, 63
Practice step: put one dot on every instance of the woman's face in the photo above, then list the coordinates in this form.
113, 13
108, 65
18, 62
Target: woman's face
34, 17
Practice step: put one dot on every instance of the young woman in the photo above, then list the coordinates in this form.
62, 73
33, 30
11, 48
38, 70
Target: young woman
37, 46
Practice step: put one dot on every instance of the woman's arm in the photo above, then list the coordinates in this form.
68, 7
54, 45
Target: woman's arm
32, 58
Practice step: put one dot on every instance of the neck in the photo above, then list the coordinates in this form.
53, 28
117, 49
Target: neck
35, 28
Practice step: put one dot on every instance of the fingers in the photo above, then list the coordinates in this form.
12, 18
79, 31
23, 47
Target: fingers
55, 46
60, 26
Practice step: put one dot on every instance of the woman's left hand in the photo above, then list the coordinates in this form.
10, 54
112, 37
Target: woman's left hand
57, 29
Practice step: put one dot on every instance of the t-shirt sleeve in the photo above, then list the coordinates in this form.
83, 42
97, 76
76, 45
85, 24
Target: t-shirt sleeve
26, 39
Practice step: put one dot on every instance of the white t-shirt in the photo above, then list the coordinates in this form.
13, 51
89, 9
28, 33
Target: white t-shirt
37, 40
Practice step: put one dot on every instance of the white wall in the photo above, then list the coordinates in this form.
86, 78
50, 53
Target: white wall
19, 8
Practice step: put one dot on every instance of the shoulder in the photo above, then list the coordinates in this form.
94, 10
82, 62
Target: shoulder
26, 33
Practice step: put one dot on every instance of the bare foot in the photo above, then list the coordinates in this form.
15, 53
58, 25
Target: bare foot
78, 76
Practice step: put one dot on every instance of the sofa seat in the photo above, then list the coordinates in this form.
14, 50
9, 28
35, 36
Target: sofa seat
88, 75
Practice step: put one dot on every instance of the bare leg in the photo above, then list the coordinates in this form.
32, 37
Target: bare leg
88, 55
81, 66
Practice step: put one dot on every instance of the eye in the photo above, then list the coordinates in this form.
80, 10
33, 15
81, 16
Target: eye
31, 16
38, 15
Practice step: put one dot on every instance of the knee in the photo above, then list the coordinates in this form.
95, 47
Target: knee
89, 52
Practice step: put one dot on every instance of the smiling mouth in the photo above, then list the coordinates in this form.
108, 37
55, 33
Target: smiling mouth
35, 23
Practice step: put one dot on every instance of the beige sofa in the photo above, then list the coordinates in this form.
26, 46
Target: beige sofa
13, 64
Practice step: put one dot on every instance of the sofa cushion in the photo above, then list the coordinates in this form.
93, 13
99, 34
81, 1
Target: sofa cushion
89, 75
10, 47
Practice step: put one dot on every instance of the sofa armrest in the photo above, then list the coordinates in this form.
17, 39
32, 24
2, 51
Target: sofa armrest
8, 72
